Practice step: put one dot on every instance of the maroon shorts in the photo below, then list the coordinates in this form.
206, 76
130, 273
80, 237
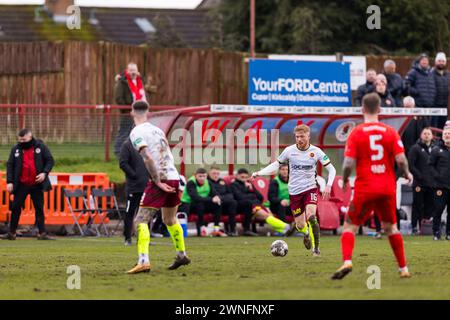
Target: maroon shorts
154, 197
301, 200
363, 204
257, 207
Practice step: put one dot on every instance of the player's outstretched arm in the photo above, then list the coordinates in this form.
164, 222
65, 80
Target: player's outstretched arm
402, 164
347, 167
267, 171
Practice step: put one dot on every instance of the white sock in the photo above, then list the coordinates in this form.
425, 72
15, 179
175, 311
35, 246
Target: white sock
181, 254
143, 258
347, 262
404, 269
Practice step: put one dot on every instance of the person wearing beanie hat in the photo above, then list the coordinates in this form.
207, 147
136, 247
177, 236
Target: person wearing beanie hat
440, 56
420, 83
442, 79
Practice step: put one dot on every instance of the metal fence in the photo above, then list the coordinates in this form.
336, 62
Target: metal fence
72, 131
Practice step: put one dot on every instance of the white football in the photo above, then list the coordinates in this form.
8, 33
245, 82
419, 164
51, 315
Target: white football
279, 248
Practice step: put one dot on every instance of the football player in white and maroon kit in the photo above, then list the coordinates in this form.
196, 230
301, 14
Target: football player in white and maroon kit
302, 158
161, 192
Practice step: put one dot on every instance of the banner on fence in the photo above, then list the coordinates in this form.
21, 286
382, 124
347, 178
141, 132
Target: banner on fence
299, 83
357, 64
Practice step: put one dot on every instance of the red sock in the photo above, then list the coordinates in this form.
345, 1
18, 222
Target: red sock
396, 241
347, 244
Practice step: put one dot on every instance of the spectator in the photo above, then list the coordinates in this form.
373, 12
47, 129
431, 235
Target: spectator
368, 87
250, 202
228, 204
414, 128
423, 193
442, 79
199, 197
137, 177
440, 168
420, 83
279, 194
28, 167
129, 88
382, 90
394, 81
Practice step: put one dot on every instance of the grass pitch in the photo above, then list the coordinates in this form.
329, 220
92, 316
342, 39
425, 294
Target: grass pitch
222, 268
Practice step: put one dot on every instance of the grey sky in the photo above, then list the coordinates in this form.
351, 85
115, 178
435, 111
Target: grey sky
180, 4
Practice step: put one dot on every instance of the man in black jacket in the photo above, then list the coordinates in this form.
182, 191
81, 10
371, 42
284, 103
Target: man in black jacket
440, 168
279, 194
420, 83
423, 184
442, 79
414, 128
137, 177
366, 88
200, 197
394, 80
227, 202
28, 167
250, 203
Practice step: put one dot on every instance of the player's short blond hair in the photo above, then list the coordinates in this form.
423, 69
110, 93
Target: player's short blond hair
302, 128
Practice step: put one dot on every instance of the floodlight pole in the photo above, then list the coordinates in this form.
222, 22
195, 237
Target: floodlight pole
252, 28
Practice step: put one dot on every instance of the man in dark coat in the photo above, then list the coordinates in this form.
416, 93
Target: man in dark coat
440, 168
414, 128
228, 204
28, 167
442, 79
137, 177
420, 83
423, 183
366, 88
250, 202
394, 81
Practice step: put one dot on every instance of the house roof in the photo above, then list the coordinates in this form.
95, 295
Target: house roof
207, 4
18, 23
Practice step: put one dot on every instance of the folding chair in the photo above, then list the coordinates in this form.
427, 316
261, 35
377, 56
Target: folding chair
76, 213
98, 194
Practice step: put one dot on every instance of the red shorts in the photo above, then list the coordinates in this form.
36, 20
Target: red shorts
154, 197
362, 205
301, 200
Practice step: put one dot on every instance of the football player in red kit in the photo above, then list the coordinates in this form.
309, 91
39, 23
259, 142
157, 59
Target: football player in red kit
375, 148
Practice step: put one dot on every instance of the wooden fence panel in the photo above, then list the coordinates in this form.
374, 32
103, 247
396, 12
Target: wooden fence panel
84, 72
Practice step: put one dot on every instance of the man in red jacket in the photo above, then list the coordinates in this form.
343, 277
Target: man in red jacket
130, 86
28, 167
